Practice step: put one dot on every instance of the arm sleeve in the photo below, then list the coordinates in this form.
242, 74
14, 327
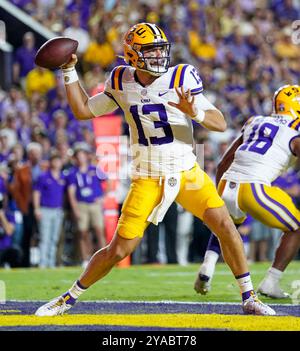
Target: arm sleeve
193, 81
101, 104
203, 103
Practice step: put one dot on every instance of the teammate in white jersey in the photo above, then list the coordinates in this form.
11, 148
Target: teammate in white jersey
159, 103
267, 147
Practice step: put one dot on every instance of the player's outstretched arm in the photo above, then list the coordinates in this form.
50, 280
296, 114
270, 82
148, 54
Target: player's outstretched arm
214, 120
84, 107
211, 119
77, 96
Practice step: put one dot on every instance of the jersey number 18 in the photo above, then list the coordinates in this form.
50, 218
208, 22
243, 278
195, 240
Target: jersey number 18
261, 138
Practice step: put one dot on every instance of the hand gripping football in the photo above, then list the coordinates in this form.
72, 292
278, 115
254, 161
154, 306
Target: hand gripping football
55, 52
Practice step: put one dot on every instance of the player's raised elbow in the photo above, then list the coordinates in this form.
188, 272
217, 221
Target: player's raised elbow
82, 113
219, 122
222, 125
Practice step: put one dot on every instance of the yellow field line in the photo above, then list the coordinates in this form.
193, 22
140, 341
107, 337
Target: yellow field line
215, 321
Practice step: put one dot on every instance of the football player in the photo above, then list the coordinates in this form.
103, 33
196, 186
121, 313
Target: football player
159, 103
266, 148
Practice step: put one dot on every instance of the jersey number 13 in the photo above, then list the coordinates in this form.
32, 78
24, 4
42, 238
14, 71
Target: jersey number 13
162, 123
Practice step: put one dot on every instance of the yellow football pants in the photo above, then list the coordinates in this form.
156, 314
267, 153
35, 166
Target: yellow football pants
197, 193
268, 204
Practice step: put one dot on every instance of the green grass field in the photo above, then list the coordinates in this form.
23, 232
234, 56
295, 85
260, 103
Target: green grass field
138, 283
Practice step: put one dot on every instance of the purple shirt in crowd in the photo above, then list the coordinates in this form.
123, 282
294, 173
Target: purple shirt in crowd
6, 240
25, 58
88, 185
2, 186
4, 157
51, 189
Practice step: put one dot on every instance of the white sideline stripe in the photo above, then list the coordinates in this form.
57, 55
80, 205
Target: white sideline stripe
217, 272
166, 302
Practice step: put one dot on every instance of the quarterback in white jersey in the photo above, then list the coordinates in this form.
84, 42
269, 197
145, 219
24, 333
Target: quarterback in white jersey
159, 103
161, 135
268, 146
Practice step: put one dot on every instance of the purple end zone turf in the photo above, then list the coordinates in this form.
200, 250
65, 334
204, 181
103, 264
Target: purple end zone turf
102, 307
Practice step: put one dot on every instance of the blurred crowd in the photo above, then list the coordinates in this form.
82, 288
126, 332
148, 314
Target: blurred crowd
243, 50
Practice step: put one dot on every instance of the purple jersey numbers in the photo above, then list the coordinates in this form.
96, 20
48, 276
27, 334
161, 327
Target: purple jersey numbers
142, 138
162, 123
196, 75
260, 139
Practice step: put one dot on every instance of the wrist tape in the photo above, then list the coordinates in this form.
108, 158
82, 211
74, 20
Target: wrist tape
70, 75
199, 118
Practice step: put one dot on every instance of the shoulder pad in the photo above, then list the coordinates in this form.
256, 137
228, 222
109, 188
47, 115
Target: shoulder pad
116, 77
178, 76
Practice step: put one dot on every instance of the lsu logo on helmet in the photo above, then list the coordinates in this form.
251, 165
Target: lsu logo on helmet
286, 100
141, 43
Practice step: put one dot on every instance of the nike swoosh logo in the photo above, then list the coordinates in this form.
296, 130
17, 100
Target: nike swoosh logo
164, 93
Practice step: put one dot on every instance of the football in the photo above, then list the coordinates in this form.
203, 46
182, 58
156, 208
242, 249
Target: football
55, 52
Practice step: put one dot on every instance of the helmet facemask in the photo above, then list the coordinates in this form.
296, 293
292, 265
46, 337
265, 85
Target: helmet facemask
150, 60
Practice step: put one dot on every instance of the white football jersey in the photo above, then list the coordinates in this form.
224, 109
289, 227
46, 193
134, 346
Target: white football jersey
265, 153
161, 135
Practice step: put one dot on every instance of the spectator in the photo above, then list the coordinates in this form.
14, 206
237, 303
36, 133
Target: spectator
65, 153
57, 101
17, 155
85, 194
93, 77
41, 111
8, 253
24, 58
54, 21
39, 80
48, 198
284, 48
76, 32
100, 52
15, 161
21, 190
179, 50
82, 7
14, 103
35, 9
46, 146
152, 235
259, 237
7, 141
59, 126
286, 11
24, 129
